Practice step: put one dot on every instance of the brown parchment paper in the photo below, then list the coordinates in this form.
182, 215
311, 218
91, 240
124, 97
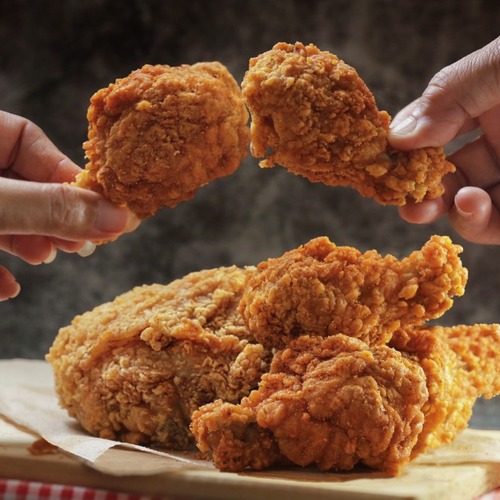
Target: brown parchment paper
28, 399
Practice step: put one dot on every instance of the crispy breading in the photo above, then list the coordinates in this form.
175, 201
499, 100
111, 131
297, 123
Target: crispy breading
230, 435
336, 402
460, 365
135, 368
324, 289
333, 402
360, 378
312, 114
162, 132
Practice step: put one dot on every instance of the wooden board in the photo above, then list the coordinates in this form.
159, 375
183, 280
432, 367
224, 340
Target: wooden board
196, 479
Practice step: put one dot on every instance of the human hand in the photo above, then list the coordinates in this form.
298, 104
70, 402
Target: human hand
39, 213
459, 99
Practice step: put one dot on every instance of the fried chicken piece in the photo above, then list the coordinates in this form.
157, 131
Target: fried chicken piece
162, 132
229, 433
333, 402
323, 289
312, 114
134, 369
336, 401
460, 364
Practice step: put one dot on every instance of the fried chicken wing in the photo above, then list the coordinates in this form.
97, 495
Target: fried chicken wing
333, 402
460, 364
134, 369
162, 132
312, 114
324, 289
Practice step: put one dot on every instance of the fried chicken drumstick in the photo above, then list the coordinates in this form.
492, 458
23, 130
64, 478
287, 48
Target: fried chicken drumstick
324, 289
312, 114
336, 402
162, 132
134, 369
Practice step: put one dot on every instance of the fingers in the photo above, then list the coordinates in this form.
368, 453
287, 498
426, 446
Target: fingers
455, 96
476, 164
60, 211
9, 287
474, 217
429, 211
423, 213
27, 152
471, 214
490, 126
460, 98
39, 214
67, 245
32, 249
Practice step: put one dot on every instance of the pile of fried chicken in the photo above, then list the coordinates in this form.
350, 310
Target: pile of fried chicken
324, 356
321, 356
357, 375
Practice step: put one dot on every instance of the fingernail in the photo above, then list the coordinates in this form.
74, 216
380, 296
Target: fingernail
51, 257
408, 125
14, 294
110, 218
16, 291
87, 249
133, 223
463, 213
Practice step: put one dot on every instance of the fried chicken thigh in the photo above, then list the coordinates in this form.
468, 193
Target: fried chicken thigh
162, 132
333, 402
134, 369
312, 114
324, 289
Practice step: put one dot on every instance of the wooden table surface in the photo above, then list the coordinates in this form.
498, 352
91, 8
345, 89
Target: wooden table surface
200, 480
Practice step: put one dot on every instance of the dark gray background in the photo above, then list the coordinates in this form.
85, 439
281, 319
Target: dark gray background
55, 54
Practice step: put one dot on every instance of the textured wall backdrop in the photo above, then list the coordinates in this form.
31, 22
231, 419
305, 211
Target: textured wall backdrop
54, 55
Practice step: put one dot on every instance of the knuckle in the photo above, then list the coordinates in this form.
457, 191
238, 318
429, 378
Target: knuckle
69, 212
438, 86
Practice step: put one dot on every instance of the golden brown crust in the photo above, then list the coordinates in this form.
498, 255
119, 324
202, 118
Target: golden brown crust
312, 114
162, 132
323, 289
231, 437
135, 368
331, 402
335, 401
162, 365
460, 365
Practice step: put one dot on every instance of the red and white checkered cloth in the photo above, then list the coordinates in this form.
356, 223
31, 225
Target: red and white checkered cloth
13, 489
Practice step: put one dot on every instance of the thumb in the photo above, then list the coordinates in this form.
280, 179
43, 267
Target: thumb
475, 217
59, 210
454, 97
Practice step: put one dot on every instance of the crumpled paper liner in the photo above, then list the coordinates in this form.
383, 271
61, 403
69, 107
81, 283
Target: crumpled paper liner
471, 446
28, 399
